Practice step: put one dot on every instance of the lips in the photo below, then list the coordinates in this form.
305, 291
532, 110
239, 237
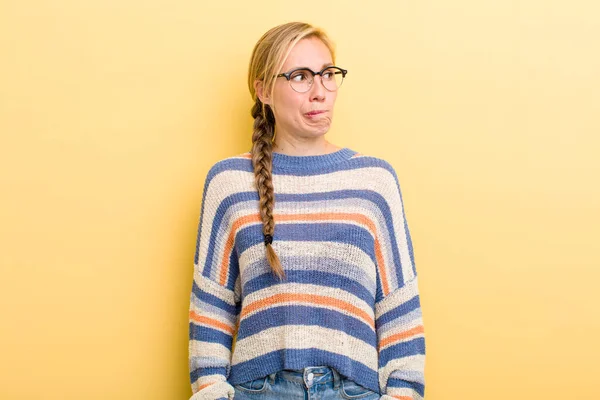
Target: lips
315, 112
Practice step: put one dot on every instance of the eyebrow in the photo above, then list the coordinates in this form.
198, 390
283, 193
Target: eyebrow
327, 64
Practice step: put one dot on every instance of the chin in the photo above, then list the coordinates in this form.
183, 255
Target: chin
317, 132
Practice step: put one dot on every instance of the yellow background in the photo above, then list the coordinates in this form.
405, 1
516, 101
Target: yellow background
111, 113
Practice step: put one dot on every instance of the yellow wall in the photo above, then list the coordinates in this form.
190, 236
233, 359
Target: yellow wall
111, 113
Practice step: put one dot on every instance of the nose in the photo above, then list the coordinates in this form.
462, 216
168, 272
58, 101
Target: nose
317, 90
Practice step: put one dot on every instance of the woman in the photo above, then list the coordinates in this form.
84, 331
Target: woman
324, 304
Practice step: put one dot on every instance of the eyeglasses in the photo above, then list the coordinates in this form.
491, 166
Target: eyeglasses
301, 79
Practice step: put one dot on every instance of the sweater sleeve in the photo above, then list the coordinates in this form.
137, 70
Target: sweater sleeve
214, 299
398, 319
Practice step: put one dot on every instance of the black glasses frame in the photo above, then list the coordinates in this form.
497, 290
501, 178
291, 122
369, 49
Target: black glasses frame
288, 75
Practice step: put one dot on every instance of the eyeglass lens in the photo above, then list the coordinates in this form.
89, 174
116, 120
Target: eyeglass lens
301, 80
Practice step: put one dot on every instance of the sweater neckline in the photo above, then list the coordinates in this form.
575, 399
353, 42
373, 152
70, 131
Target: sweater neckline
309, 163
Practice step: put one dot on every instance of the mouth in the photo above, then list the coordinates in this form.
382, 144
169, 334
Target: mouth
315, 112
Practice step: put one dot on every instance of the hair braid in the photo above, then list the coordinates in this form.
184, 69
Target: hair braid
262, 150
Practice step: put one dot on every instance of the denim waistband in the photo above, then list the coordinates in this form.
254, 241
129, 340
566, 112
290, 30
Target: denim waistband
319, 374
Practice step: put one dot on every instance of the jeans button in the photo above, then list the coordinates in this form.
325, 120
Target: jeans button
309, 378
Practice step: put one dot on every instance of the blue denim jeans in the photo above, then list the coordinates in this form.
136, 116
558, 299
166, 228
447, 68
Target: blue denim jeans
310, 383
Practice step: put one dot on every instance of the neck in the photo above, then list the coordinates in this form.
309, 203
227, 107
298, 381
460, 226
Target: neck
303, 147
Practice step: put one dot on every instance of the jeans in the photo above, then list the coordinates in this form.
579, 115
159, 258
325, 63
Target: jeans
310, 383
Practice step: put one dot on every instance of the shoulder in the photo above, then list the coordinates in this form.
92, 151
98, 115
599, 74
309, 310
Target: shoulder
376, 168
230, 166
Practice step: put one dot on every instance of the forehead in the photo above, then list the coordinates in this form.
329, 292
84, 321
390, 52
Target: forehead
311, 53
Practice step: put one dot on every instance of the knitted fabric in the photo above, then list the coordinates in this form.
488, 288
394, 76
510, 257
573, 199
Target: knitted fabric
350, 298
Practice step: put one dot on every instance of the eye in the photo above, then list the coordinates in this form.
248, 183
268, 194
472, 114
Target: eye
329, 74
299, 76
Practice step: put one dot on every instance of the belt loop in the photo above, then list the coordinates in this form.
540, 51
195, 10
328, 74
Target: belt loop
336, 379
272, 377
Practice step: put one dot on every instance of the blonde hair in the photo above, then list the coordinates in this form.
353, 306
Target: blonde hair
268, 57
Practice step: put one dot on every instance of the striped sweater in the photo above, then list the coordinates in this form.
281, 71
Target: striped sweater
350, 299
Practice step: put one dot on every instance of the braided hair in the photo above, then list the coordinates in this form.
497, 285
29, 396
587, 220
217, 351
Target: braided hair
262, 152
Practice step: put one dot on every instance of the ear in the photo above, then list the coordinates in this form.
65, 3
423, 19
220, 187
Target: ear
261, 92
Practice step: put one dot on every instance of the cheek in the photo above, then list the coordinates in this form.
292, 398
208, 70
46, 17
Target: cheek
332, 97
289, 105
